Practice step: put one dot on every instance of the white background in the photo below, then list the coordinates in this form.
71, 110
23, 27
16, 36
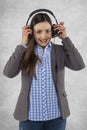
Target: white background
13, 15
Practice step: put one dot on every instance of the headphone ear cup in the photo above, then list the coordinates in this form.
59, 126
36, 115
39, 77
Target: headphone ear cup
30, 35
54, 32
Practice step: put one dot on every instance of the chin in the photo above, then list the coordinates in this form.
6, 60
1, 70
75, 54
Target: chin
44, 44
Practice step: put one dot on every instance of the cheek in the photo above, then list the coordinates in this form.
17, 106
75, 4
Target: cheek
36, 37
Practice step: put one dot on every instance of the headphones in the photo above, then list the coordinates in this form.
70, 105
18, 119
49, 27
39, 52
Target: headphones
54, 33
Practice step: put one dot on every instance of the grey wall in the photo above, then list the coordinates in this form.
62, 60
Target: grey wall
13, 15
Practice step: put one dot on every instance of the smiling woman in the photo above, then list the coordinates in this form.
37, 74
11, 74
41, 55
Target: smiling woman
42, 103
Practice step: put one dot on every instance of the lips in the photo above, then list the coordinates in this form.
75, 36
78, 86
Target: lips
43, 41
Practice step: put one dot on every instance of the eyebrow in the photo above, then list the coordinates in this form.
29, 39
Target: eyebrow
41, 30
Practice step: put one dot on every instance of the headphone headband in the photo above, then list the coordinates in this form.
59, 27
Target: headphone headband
40, 10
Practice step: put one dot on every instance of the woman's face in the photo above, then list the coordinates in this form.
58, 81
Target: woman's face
42, 33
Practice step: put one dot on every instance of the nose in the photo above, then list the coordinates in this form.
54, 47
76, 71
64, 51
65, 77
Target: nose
44, 35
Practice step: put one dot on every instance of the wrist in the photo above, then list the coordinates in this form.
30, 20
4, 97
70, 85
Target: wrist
65, 40
64, 37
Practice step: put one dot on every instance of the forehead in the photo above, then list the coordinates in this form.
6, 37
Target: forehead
42, 25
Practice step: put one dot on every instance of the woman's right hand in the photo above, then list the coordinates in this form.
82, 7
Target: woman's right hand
26, 31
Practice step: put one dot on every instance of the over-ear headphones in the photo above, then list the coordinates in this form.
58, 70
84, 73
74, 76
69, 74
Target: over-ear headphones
54, 33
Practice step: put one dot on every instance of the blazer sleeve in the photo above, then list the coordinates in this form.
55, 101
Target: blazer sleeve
73, 59
12, 67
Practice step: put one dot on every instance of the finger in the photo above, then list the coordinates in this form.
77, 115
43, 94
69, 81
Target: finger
59, 28
62, 23
59, 32
27, 30
57, 25
28, 33
26, 27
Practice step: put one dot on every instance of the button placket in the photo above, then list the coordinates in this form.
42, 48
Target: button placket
44, 106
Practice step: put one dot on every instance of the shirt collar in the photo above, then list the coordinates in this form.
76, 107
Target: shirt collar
47, 46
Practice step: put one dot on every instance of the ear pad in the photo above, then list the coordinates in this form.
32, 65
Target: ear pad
30, 35
54, 32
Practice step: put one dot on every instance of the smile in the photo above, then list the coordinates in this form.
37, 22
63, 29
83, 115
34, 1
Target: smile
43, 41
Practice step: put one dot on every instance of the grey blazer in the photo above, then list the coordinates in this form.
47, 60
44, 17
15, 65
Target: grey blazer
62, 56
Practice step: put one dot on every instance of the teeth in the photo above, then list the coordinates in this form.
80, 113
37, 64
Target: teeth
44, 41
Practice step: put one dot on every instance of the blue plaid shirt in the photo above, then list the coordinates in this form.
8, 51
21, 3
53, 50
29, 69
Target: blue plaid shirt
43, 101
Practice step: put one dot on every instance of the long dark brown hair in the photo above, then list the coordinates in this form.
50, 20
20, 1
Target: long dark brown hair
29, 60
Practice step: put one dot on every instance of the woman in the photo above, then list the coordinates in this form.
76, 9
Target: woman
42, 103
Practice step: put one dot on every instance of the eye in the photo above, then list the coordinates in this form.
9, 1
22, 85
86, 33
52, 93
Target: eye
39, 31
48, 31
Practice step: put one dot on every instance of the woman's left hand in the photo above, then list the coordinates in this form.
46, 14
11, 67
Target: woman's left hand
61, 30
